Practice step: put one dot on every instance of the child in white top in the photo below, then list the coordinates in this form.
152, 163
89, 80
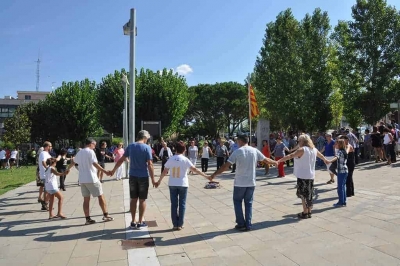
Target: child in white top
51, 187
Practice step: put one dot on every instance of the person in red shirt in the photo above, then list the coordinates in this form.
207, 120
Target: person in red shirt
267, 153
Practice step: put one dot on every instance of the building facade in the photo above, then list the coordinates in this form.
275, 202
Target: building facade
9, 104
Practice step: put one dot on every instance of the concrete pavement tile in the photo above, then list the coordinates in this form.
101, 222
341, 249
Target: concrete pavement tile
241, 260
11, 250
37, 245
61, 259
201, 253
390, 249
84, 250
87, 261
62, 247
367, 240
231, 251
174, 259
170, 249
112, 253
114, 263
210, 261
271, 257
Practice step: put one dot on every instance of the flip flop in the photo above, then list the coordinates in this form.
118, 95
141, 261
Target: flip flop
53, 217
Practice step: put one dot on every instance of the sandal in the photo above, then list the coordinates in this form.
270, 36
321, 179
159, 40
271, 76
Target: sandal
309, 215
61, 216
330, 182
302, 215
107, 218
53, 217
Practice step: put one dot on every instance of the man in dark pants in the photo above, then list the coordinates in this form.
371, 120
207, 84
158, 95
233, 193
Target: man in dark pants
221, 151
140, 168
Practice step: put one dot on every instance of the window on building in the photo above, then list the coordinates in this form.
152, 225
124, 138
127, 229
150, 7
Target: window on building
27, 97
4, 110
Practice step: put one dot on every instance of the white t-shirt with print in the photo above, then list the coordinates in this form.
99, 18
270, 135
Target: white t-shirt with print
13, 154
246, 159
51, 180
178, 166
44, 155
87, 172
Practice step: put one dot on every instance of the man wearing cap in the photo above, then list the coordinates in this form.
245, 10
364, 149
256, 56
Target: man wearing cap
140, 169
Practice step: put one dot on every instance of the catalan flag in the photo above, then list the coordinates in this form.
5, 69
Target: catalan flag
253, 107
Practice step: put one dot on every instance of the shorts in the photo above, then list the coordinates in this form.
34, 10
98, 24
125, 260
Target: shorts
3, 160
138, 187
94, 189
102, 165
12, 160
53, 191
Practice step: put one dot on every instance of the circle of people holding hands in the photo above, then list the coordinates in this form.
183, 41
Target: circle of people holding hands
242, 159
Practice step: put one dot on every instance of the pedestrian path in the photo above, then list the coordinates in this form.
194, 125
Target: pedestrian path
367, 232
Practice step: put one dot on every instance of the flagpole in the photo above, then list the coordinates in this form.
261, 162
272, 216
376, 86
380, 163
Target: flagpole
249, 95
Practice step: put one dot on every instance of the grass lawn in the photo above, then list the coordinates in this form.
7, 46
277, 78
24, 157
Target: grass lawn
11, 179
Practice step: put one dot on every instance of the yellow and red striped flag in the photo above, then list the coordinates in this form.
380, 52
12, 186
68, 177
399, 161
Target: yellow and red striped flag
253, 103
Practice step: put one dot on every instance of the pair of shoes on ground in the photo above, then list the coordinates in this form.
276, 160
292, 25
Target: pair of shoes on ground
242, 228
138, 225
105, 219
303, 215
177, 228
339, 204
330, 182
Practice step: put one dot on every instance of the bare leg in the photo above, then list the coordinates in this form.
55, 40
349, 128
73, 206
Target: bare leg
133, 208
332, 177
142, 208
86, 201
40, 193
102, 203
51, 206
60, 202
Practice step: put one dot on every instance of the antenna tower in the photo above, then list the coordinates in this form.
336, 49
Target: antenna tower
38, 72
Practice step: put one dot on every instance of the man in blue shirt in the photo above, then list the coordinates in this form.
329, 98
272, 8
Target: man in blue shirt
140, 168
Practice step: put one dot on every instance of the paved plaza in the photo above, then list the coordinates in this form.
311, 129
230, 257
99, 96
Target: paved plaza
366, 232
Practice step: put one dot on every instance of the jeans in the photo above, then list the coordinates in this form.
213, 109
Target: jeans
178, 197
204, 164
341, 188
246, 194
62, 177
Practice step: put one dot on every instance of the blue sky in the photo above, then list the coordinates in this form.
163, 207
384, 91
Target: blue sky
217, 40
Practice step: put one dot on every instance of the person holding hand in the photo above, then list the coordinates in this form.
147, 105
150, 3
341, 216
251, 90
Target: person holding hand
52, 188
304, 169
246, 158
178, 167
140, 169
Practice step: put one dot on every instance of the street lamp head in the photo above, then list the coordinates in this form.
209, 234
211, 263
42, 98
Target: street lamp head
127, 28
124, 80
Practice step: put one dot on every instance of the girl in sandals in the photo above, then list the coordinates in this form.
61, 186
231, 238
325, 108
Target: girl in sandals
51, 187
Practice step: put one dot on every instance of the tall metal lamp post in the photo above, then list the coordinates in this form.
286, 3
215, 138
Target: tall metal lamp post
130, 29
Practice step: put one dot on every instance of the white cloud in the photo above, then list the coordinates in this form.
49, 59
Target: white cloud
184, 69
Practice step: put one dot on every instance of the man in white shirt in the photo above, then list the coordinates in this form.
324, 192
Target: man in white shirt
90, 183
3, 160
246, 158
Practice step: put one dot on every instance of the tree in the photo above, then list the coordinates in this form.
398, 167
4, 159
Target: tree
369, 46
111, 99
278, 69
74, 111
161, 96
205, 110
218, 106
17, 128
292, 71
